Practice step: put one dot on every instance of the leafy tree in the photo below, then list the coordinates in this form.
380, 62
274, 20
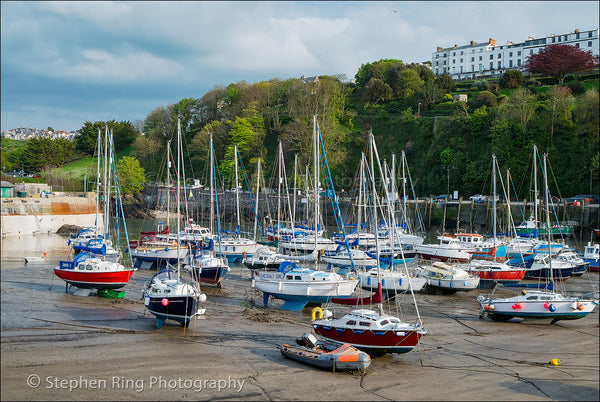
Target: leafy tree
445, 83
50, 129
376, 91
484, 98
130, 175
511, 79
520, 106
430, 94
560, 60
576, 87
559, 102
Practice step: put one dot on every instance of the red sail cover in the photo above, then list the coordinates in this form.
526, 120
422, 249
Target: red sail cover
373, 299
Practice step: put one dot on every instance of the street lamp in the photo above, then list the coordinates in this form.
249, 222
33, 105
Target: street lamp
419, 110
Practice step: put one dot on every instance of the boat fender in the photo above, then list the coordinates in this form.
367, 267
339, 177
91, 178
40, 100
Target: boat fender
165, 302
317, 313
580, 306
524, 292
555, 362
202, 297
516, 306
492, 307
552, 308
166, 248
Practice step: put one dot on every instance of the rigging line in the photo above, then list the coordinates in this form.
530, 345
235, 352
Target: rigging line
248, 187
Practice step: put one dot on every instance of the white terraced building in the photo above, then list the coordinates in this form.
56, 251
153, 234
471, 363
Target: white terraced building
478, 60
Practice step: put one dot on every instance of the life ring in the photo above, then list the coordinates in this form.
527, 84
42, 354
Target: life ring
317, 313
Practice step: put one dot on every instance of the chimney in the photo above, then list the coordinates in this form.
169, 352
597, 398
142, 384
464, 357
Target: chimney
509, 43
439, 48
473, 43
576, 30
492, 42
455, 46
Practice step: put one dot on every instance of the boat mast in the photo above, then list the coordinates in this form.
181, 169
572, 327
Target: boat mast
237, 193
106, 197
316, 183
178, 193
257, 194
212, 194
494, 199
98, 178
280, 156
374, 209
548, 221
535, 191
295, 191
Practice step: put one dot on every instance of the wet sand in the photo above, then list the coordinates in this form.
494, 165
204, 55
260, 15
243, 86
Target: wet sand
57, 346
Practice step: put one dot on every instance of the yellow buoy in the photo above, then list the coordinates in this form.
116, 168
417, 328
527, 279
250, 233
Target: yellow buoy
555, 362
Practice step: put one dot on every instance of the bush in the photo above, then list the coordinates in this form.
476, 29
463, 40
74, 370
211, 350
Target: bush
511, 79
576, 87
484, 98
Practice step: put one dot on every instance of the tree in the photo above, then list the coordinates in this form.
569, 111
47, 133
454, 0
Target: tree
376, 91
521, 106
560, 60
130, 175
559, 102
511, 79
445, 83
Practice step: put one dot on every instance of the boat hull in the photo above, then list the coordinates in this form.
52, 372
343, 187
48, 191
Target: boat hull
178, 308
210, 275
94, 280
387, 341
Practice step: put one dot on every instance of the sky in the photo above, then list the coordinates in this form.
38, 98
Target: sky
65, 63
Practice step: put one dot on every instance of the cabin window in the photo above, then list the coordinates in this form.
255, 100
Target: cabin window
383, 322
89, 267
364, 324
351, 322
395, 320
298, 278
532, 298
290, 277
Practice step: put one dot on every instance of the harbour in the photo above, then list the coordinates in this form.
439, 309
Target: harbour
56, 345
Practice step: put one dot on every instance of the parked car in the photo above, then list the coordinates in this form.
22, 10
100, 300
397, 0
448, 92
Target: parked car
443, 198
479, 198
587, 198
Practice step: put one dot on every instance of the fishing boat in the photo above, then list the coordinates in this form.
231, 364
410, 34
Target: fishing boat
591, 254
169, 295
89, 272
491, 272
533, 228
573, 257
544, 266
447, 250
446, 277
326, 356
537, 304
372, 331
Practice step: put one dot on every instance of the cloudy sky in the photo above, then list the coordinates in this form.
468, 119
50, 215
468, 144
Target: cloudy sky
63, 63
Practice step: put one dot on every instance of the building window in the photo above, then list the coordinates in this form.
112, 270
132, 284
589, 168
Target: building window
530, 51
453, 53
491, 65
453, 61
510, 63
509, 54
461, 69
461, 52
499, 55
559, 38
577, 45
590, 34
589, 44
473, 58
553, 39
577, 35
472, 68
461, 59
480, 50
480, 58
518, 62
499, 64
519, 53
491, 56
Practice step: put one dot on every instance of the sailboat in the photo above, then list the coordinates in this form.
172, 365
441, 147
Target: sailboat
168, 295
366, 329
97, 240
236, 247
205, 266
93, 271
298, 286
157, 247
537, 304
